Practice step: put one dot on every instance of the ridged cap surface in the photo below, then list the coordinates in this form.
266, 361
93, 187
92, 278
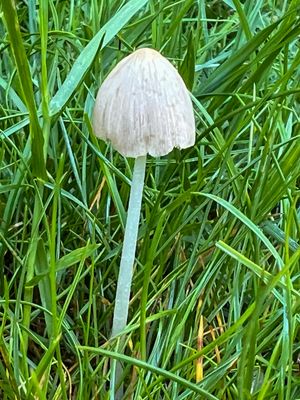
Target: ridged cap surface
143, 107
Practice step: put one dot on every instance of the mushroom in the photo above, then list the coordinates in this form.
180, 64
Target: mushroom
143, 107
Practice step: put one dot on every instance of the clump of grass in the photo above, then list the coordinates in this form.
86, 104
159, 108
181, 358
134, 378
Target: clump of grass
219, 239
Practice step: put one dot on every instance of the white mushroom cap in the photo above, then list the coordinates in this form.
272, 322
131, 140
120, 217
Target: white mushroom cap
143, 106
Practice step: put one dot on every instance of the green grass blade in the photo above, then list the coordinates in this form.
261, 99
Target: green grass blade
86, 58
22, 65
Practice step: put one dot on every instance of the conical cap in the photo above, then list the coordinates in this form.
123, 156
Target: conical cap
143, 107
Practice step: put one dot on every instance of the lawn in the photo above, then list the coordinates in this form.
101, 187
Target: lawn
215, 298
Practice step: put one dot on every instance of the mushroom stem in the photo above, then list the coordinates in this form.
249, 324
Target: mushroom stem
129, 247
127, 261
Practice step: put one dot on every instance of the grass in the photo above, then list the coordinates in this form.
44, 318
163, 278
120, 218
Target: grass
215, 301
